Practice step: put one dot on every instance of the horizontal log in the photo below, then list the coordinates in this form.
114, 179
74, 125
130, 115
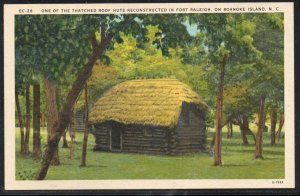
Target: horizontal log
101, 141
144, 144
190, 138
143, 131
190, 135
152, 151
190, 129
101, 133
188, 143
147, 152
151, 139
143, 136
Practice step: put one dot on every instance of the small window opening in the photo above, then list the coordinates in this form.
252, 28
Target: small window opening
148, 132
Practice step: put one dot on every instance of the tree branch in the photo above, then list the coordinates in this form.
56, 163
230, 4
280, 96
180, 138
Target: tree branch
94, 42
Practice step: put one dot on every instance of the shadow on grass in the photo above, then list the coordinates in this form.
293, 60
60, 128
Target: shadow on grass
94, 166
87, 166
235, 165
236, 143
274, 146
269, 152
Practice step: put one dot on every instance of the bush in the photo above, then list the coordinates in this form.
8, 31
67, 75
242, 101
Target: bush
26, 174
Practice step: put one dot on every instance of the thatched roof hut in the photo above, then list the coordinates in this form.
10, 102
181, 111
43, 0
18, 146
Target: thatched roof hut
147, 102
157, 103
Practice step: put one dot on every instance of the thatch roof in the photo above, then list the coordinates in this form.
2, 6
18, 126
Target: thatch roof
154, 102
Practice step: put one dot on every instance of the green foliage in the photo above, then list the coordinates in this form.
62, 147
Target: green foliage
132, 62
269, 70
28, 174
195, 53
57, 46
50, 43
158, 46
103, 77
227, 32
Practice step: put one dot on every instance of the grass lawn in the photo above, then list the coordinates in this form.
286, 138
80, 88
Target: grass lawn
238, 162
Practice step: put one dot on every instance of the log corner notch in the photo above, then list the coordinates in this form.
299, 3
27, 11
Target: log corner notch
66, 112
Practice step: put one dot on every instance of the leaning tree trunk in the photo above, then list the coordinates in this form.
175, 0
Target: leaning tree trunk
72, 136
219, 105
65, 142
86, 131
281, 122
27, 134
259, 139
52, 114
20, 122
36, 121
273, 125
65, 114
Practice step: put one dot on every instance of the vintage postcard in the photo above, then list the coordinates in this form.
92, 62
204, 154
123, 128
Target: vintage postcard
149, 96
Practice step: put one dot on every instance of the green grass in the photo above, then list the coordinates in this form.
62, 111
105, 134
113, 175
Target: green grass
238, 163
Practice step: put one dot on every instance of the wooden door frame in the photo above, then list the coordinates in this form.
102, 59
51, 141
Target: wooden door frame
110, 140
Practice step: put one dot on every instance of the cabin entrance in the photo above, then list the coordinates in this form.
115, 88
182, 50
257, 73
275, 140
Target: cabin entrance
116, 138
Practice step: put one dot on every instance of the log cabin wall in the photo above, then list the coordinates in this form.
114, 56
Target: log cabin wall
149, 140
135, 139
190, 135
102, 136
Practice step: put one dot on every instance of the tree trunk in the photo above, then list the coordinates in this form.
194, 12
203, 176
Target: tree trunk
36, 121
20, 123
281, 122
65, 142
43, 120
229, 129
264, 120
259, 139
65, 114
273, 125
244, 137
86, 131
52, 114
27, 134
72, 147
72, 136
245, 129
219, 105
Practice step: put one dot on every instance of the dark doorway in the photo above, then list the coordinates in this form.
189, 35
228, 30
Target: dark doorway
116, 138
